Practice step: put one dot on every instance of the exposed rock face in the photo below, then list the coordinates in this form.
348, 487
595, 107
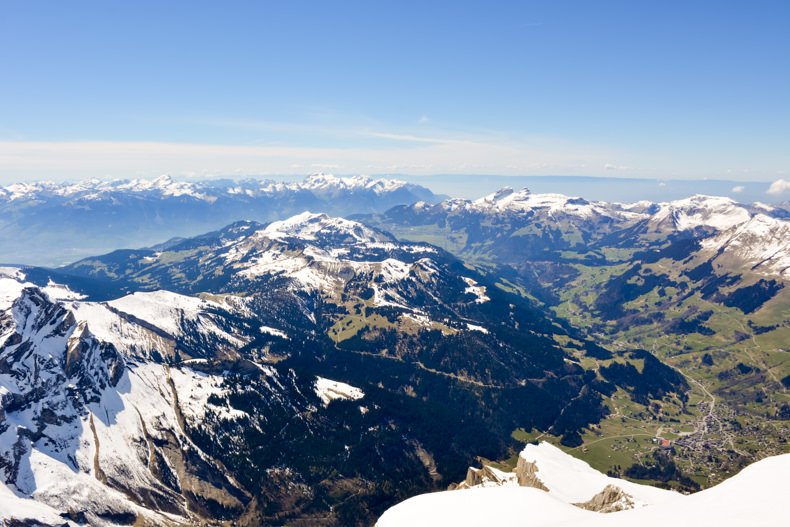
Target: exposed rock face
610, 499
485, 476
526, 474
65, 390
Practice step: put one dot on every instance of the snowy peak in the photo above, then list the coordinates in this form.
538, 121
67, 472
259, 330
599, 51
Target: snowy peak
503, 193
321, 181
760, 243
319, 253
701, 212
315, 227
523, 202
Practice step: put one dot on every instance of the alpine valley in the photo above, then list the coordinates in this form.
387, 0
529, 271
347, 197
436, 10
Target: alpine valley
315, 370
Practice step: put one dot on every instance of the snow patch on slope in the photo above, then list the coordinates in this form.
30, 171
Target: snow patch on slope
57, 292
273, 331
328, 391
477, 290
162, 308
194, 389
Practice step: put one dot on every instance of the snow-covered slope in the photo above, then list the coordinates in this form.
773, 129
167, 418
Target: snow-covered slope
698, 211
522, 228
101, 402
567, 479
511, 506
320, 253
761, 243
572, 480
756, 496
320, 227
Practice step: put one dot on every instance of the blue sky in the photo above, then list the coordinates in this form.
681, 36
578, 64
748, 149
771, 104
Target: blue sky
666, 90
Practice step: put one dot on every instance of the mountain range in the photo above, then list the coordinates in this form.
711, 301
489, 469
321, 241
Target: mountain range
316, 370
48, 223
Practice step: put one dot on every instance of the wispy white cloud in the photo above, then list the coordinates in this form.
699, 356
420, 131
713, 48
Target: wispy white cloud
417, 139
609, 166
780, 186
739, 188
423, 119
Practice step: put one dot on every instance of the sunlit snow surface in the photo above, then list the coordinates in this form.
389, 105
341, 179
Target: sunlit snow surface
572, 480
756, 496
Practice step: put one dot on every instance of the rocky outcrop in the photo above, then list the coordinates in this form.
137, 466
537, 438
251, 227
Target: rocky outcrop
610, 499
485, 477
90, 364
526, 474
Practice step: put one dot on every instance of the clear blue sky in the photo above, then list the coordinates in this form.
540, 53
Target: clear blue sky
670, 89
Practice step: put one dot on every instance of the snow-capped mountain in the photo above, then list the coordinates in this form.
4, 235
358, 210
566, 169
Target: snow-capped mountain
512, 228
550, 212
552, 205
563, 487
760, 244
46, 223
97, 190
310, 252
98, 399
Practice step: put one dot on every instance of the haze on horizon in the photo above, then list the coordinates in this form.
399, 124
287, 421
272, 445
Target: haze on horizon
194, 89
